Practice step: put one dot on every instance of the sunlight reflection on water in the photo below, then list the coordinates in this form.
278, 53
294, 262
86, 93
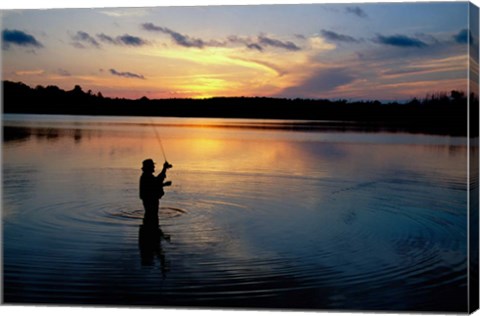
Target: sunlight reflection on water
257, 216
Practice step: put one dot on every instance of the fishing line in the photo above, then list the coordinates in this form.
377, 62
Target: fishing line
159, 139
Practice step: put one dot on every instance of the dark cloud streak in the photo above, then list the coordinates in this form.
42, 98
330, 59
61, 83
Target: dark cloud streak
336, 37
259, 43
107, 39
126, 74
152, 27
267, 41
255, 46
179, 39
130, 40
248, 42
126, 39
82, 38
19, 38
399, 41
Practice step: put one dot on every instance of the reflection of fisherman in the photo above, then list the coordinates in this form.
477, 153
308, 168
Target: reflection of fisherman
151, 248
151, 190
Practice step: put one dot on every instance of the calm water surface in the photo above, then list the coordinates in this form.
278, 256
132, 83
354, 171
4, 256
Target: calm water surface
260, 215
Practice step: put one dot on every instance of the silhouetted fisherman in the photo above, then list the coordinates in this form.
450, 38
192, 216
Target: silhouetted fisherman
151, 191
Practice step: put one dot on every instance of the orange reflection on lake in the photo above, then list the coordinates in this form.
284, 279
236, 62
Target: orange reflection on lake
254, 204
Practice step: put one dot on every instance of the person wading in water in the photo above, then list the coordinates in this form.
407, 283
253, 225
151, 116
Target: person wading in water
151, 191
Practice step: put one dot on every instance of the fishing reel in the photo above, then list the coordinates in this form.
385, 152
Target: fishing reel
167, 165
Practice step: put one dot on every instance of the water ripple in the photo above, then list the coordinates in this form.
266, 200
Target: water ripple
381, 241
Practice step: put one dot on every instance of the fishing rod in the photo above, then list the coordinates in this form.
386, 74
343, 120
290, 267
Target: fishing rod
159, 139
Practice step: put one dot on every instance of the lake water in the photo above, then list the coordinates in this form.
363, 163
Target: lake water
260, 214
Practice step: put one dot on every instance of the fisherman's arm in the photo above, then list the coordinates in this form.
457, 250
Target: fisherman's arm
163, 173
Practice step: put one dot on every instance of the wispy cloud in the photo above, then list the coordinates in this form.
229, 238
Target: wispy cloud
153, 27
245, 41
259, 43
124, 12
356, 11
126, 40
20, 38
179, 39
403, 71
278, 71
107, 39
399, 41
35, 72
268, 41
428, 39
336, 37
131, 40
255, 46
262, 41
83, 40
126, 74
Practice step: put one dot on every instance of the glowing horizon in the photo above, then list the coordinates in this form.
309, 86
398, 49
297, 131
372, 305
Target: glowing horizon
384, 51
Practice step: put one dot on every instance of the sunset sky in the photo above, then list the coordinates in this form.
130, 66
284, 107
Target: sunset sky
392, 51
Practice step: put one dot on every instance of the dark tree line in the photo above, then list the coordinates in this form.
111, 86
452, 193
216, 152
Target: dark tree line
437, 113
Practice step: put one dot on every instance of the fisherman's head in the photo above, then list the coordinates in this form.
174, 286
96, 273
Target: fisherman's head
148, 165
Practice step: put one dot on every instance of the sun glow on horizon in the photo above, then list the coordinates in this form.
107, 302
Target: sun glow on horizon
309, 52
216, 72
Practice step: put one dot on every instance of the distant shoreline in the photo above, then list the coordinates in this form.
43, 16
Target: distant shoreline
438, 114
